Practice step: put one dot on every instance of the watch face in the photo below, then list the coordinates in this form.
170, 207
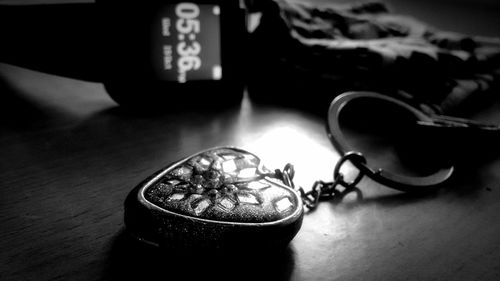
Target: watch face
187, 43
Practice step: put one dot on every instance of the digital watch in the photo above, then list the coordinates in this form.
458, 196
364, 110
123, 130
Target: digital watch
145, 52
164, 51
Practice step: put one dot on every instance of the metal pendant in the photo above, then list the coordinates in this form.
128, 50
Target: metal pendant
218, 199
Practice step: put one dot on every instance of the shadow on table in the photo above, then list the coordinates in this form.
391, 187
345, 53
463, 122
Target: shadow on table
467, 183
131, 260
16, 110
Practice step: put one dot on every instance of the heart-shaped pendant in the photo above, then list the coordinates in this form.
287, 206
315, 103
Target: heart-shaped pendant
218, 199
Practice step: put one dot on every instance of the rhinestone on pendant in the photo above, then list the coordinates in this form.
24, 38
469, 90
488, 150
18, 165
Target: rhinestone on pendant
223, 184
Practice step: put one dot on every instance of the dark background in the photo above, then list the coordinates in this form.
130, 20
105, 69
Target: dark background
69, 156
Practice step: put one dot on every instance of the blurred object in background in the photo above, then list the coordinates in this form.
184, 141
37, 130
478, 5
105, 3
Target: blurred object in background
314, 52
157, 56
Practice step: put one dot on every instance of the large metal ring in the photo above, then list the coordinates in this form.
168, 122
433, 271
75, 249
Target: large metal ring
396, 181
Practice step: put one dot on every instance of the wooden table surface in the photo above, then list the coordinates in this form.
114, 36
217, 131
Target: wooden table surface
69, 156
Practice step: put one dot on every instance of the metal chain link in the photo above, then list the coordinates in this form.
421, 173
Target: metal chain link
322, 190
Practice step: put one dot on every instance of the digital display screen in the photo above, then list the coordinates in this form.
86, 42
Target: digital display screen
187, 42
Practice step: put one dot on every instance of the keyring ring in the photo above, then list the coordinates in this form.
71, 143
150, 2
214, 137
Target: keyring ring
396, 181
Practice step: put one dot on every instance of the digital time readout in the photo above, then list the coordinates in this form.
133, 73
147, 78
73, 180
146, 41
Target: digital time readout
188, 44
